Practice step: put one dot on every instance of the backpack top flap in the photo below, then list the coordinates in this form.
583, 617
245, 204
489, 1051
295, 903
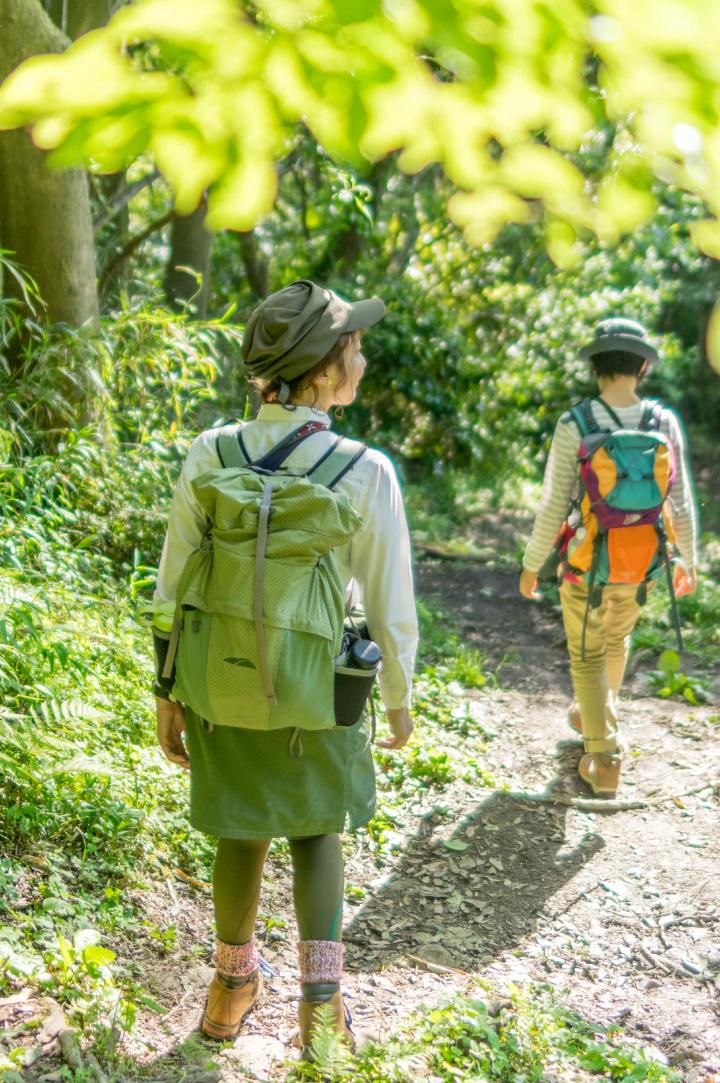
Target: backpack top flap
307, 519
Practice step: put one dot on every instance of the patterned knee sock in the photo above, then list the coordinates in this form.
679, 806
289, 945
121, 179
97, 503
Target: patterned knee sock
321, 967
235, 963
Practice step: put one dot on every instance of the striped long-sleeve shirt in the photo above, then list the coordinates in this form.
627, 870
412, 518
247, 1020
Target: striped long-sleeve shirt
561, 480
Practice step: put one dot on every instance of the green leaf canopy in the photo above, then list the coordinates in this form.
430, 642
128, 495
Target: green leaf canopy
500, 93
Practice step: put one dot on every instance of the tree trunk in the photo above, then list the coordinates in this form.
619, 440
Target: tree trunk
256, 267
187, 278
79, 16
44, 215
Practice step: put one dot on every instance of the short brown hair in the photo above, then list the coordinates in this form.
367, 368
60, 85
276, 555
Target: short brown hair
336, 355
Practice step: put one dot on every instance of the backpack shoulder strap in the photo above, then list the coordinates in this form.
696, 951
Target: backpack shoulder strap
611, 414
651, 416
273, 459
233, 453
582, 415
231, 450
336, 462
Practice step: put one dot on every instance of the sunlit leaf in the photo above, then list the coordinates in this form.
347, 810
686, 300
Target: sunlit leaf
669, 662
97, 955
626, 205
539, 172
706, 235
176, 20
713, 338
562, 245
246, 193
483, 214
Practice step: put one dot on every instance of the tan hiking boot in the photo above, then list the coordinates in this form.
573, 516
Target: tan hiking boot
575, 718
308, 1018
227, 1007
601, 771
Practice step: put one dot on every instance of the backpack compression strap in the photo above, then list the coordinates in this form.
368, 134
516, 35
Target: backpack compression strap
259, 592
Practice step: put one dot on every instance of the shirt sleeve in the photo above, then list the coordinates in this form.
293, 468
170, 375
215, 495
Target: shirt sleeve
682, 495
558, 484
380, 562
186, 526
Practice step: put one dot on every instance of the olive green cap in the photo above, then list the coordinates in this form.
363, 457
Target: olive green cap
291, 330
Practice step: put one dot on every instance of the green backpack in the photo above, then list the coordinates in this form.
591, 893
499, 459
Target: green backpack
260, 604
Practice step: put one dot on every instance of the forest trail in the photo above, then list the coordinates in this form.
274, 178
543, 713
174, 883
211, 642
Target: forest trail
618, 913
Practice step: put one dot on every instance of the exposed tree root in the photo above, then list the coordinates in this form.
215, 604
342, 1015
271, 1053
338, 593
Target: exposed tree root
594, 804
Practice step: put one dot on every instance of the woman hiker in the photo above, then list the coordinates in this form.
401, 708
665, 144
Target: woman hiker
302, 352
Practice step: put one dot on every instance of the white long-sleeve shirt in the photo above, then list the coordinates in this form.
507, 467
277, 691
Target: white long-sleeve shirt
561, 479
375, 566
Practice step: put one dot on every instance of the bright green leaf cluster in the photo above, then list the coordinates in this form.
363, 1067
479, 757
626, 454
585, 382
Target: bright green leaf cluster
501, 95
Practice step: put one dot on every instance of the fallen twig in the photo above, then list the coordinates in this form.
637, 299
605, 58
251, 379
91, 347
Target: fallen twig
435, 549
658, 964
575, 899
670, 969
435, 968
594, 804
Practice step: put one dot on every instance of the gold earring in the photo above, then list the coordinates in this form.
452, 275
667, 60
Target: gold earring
329, 382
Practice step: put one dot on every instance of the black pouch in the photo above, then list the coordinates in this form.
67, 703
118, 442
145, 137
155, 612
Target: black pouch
353, 684
353, 688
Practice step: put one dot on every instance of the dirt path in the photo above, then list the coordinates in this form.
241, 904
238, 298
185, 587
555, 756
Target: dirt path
618, 913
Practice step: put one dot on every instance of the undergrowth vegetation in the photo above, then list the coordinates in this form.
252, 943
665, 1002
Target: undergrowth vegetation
526, 1037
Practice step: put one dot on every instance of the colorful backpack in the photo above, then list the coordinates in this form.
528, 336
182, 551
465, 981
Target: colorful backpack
260, 605
621, 524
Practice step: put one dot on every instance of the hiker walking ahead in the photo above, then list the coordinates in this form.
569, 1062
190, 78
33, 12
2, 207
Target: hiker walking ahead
270, 523
617, 502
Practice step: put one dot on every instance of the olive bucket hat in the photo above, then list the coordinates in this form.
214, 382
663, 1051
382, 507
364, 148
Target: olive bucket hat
620, 334
291, 330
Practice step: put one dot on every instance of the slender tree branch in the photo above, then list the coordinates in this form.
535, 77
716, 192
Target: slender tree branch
133, 243
121, 200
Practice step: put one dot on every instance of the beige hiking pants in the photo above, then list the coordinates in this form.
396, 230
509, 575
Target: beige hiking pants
597, 680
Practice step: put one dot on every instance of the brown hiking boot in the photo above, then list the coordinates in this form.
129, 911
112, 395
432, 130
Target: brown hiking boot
575, 718
601, 771
308, 1012
227, 1007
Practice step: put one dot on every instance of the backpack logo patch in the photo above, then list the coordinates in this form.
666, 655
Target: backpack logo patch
244, 662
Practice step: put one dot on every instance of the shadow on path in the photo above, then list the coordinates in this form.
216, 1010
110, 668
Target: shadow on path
461, 899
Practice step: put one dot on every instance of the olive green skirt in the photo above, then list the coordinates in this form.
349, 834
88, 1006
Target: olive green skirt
288, 783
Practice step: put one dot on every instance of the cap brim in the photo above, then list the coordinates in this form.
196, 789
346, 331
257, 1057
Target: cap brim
627, 343
364, 314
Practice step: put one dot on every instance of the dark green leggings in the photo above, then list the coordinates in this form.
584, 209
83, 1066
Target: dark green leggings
318, 885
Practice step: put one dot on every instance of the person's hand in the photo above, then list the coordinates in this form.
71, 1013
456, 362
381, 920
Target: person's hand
684, 580
170, 727
401, 725
528, 585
